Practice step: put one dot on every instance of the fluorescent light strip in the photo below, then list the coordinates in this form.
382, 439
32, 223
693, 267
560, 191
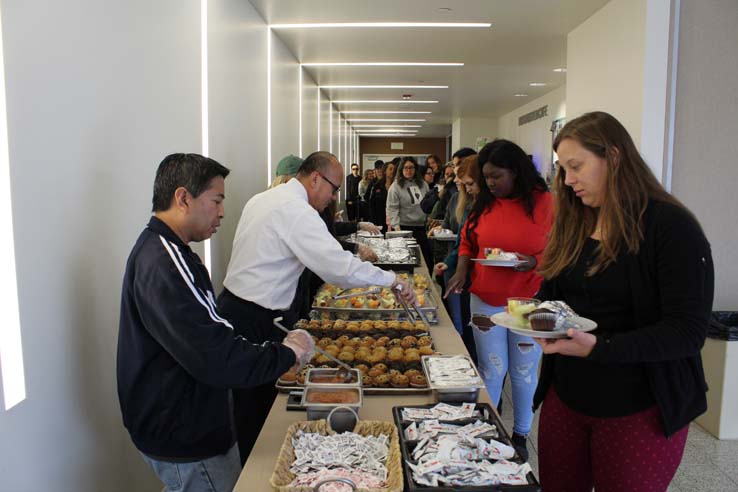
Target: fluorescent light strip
269, 107
387, 135
299, 110
205, 133
330, 128
389, 130
11, 342
315, 25
384, 87
394, 101
385, 112
385, 119
386, 126
318, 146
381, 64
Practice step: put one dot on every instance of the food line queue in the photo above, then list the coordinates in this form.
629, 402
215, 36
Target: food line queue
609, 241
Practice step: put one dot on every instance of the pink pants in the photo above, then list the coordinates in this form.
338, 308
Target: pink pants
577, 452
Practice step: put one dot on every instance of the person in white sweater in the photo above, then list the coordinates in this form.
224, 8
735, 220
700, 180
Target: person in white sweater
403, 204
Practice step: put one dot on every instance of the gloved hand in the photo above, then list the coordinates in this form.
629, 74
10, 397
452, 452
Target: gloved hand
403, 290
302, 344
369, 227
366, 253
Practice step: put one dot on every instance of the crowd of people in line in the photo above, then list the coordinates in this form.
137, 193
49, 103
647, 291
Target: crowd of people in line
196, 372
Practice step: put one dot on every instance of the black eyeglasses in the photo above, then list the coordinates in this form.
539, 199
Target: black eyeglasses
336, 189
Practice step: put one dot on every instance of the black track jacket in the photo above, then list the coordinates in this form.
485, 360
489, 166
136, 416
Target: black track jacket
177, 358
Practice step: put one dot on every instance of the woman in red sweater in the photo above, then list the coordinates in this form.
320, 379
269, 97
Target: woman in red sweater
513, 212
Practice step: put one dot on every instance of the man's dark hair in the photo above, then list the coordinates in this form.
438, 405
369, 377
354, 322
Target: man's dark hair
317, 161
463, 152
379, 163
191, 171
396, 161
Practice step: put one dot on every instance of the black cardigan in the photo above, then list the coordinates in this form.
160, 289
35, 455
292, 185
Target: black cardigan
672, 282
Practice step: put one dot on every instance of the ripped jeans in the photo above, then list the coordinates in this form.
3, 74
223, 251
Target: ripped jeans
500, 350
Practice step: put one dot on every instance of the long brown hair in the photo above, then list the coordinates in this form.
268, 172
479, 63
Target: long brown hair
468, 167
629, 185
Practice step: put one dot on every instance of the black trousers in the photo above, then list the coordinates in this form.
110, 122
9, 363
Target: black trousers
251, 406
422, 238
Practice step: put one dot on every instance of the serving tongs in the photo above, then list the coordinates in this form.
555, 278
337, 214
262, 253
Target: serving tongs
341, 295
344, 371
416, 311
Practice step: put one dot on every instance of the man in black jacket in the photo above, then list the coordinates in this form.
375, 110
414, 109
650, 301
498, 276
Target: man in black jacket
177, 357
352, 192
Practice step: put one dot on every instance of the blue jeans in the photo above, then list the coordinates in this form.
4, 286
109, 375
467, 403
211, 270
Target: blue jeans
499, 351
216, 474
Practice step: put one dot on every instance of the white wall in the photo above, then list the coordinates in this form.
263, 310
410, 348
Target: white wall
535, 137
465, 131
98, 93
604, 57
285, 99
705, 175
325, 122
237, 48
309, 115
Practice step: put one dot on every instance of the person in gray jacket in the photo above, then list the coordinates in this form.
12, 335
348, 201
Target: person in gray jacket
403, 205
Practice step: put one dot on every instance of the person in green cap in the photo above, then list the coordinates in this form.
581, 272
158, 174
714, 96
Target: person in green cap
286, 169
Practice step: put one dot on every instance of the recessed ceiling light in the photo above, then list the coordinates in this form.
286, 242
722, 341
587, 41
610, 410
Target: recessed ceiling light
384, 87
385, 126
381, 64
378, 24
384, 119
521, 95
537, 84
445, 9
393, 101
385, 112
560, 70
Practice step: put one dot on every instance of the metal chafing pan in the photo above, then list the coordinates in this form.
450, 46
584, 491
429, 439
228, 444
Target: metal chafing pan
450, 392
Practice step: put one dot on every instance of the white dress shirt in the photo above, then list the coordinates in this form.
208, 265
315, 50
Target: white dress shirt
278, 235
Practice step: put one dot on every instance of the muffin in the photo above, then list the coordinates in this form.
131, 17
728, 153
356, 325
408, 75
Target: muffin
400, 381
381, 366
412, 372
381, 341
363, 368
346, 358
367, 381
289, 378
393, 372
426, 350
425, 341
409, 342
374, 372
332, 349
381, 381
395, 342
418, 381
324, 342
302, 324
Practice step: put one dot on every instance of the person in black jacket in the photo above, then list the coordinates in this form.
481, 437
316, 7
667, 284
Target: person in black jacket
617, 402
177, 356
352, 192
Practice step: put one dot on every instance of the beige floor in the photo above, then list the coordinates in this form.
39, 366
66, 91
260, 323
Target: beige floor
708, 465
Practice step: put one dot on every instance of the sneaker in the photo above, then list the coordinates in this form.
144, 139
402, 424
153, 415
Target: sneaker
520, 443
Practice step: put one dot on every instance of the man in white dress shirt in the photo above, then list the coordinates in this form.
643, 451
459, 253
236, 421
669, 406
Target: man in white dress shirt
279, 234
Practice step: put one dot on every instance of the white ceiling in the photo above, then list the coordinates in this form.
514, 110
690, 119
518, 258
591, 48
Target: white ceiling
526, 42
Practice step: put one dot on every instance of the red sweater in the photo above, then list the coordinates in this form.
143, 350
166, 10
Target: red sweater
507, 226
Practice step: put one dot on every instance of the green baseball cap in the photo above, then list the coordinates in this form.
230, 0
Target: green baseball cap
288, 166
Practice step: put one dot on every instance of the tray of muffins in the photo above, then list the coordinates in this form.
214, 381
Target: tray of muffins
381, 305
387, 364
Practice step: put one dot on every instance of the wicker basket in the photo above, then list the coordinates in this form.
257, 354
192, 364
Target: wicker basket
282, 477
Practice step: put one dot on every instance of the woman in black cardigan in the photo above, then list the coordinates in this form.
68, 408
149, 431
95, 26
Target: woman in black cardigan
617, 402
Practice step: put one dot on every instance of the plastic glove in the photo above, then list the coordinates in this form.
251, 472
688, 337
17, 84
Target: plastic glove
404, 291
366, 253
302, 344
369, 227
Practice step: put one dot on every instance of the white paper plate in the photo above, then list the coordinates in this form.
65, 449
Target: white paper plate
444, 237
499, 263
507, 321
